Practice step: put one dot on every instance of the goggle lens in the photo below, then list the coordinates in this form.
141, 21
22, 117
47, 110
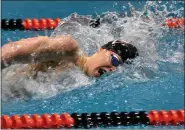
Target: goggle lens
114, 60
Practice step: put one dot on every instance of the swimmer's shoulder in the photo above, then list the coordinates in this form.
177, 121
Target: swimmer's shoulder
67, 43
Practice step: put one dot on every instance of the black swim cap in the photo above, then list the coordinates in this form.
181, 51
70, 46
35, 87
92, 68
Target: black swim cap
123, 49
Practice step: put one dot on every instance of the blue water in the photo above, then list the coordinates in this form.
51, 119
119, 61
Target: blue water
166, 92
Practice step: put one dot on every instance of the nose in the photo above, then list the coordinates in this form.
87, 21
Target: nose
109, 68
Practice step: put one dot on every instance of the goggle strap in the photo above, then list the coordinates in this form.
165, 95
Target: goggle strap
119, 41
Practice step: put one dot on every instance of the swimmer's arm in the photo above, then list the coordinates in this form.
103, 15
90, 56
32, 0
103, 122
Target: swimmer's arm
37, 49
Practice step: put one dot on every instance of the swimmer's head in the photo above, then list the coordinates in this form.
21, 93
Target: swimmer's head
109, 57
125, 50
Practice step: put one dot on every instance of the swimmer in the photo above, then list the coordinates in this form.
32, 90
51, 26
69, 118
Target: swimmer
44, 52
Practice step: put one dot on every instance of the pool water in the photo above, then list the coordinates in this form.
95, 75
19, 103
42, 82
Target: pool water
154, 81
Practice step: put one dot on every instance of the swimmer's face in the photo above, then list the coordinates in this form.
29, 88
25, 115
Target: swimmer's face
99, 63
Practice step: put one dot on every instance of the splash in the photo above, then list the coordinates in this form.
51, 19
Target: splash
159, 47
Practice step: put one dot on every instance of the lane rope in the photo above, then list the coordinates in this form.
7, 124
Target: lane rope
93, 120
174, 23
48, 23
30, 24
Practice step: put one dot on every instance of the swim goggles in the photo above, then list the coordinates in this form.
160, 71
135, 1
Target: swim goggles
115, 60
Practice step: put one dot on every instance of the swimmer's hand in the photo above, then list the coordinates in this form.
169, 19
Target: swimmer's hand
37, 49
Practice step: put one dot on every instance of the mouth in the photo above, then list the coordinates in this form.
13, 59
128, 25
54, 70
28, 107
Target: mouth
101, 71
